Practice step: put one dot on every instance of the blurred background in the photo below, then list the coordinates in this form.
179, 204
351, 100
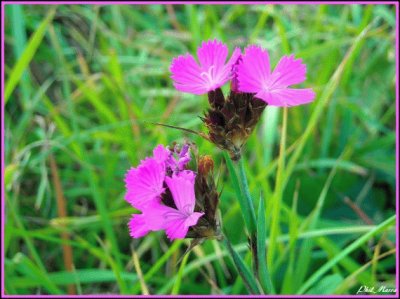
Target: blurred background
83, 84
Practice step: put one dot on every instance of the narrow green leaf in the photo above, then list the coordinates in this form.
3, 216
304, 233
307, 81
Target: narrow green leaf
19, 35
345, 252
160, 262
327, 285
83, 276
249, 219
306, 248
24, 265
321, 102
247, 197
264, 277
26, 57
178, 281
243, 270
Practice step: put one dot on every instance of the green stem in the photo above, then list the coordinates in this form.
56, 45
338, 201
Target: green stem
245, 204
244, 186
239, 179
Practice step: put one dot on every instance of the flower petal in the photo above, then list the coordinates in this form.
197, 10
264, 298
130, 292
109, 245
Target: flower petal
176, 229
193, 218
161, 153
144, 183
212, 53
212, 72
138, 226
287, 97
289, 71
254, 69
177, 224
234, 62
174, 222
186, 74
181, 158
182, 189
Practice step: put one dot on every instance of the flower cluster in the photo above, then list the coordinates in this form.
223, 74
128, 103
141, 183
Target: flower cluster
230, 121
250, 73
164, 190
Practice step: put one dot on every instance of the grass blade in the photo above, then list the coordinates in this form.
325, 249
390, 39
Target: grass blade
243, 270
345, 252
178, 280
26, 57
277, 196
322, 102
264, 277
249, 217
247, 197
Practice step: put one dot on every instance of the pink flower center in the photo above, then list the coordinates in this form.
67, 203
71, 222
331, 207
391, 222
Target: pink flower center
268, 84
209, 76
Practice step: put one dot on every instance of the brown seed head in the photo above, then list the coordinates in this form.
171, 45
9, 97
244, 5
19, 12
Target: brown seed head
230, 122
206, 165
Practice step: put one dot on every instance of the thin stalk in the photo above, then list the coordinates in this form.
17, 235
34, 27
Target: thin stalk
244, 186
62, 212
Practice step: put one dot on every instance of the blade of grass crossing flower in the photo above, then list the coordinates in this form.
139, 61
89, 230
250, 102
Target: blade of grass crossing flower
277, 196
27, 55
263, 275
270, 124
243, 270
345, 252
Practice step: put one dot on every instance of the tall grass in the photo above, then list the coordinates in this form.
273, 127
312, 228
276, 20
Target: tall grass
84, 83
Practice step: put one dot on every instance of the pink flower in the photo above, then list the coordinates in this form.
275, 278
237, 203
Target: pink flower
190, 77
254, 76
175, 221
146, 186
144, 183
161, 153
178, 161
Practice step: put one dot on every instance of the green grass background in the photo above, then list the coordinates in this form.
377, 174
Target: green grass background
84, 83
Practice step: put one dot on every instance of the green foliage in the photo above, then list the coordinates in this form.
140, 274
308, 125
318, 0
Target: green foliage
84, 83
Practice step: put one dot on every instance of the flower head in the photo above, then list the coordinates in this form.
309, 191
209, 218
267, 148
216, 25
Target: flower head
254, 76
179, 158
174, 220
165, 192
145, 183
210, 74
